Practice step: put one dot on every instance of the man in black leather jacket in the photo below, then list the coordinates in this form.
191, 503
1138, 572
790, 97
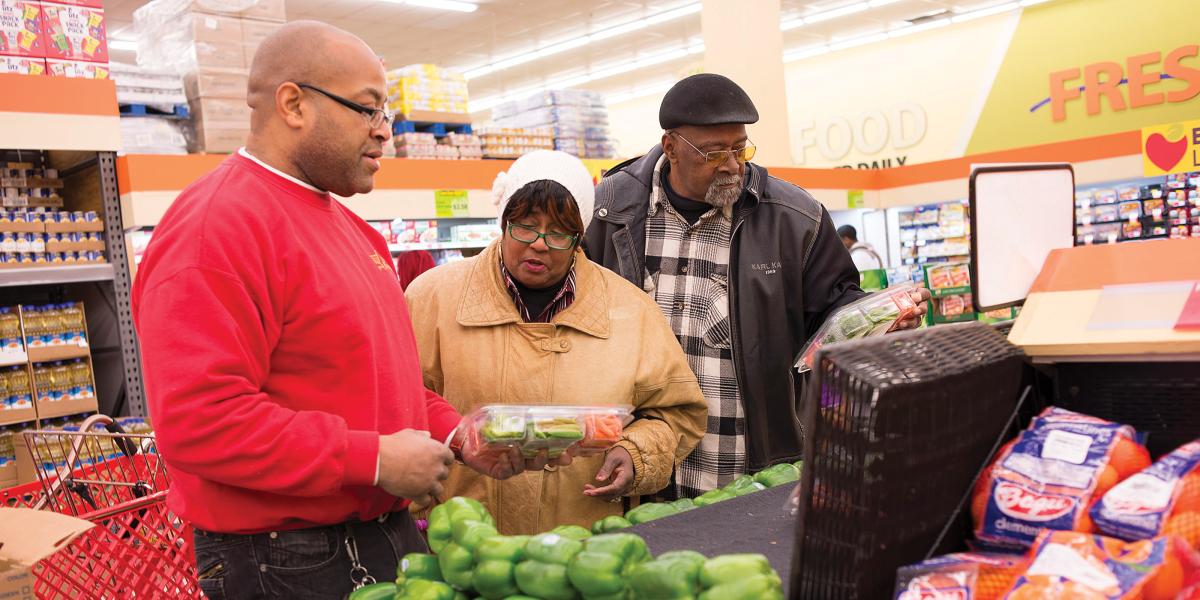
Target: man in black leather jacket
745, 266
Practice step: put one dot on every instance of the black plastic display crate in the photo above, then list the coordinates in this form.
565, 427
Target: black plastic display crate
897, 428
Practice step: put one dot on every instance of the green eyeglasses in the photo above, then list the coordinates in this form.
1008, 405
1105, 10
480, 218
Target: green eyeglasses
529, 235
717, 157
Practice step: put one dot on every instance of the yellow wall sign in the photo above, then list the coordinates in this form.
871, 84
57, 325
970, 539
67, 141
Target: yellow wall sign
1171, 148
451, 204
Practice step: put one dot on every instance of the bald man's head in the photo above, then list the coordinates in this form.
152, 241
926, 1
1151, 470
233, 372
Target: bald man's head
313, 92
309, 52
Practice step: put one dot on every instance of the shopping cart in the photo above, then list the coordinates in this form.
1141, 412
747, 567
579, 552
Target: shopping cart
116, 480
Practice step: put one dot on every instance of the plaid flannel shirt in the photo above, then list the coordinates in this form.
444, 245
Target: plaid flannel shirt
561, 301
687, 273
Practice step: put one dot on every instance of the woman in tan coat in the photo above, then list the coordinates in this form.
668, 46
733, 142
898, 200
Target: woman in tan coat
532, 321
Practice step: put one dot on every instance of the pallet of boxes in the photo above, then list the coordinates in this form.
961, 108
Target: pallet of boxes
211, 44
432, 119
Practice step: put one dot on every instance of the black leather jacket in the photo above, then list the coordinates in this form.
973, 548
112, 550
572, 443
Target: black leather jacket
788, 270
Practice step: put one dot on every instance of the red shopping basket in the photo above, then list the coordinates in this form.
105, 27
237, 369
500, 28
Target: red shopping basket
138, 549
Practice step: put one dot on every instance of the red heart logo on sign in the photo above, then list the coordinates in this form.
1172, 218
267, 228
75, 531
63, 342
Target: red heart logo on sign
1165, 155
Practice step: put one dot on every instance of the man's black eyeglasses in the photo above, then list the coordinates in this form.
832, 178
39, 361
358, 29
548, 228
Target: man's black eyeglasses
376, 117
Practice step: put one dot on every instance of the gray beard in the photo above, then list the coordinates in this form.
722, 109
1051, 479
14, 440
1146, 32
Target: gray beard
723, 197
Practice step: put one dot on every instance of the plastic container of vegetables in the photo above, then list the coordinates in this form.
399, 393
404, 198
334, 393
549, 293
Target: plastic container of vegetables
555, 429
873, 315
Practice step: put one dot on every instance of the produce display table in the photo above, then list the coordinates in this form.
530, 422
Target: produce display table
755, 523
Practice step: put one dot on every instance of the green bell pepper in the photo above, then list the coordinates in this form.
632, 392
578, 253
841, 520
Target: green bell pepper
599, 571
418, 565
495, 570
744, 485
799, 466
610, 523
543, 573
423, 589
503, 428
574, 532
777, 475
713, 497
376, 591
443, 517
672, 576
738, 577
457, 558
684, 504
649, 512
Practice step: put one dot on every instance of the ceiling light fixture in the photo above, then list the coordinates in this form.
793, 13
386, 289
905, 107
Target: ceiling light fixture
455, 5
577, 80
605, 33
811, 51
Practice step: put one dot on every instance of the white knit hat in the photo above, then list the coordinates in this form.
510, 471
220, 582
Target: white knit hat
559, 167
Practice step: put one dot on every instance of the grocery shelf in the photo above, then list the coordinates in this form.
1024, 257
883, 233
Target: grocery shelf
55, 275
12, 417
59, 113
66, 408
13, 361
53, 353
409, 247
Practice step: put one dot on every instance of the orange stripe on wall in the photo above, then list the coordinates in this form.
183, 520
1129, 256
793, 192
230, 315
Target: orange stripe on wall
57, 95
163, 173
1093, 267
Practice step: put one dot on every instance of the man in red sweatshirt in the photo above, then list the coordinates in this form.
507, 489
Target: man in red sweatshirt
280, 365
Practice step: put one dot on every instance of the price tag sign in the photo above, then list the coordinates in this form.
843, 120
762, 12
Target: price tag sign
451, 204
854, 199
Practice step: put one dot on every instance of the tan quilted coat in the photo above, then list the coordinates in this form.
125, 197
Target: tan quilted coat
611, 346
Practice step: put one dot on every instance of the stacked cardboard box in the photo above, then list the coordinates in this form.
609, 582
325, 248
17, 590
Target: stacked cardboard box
577, 118
428, 93
66, 38
212, 49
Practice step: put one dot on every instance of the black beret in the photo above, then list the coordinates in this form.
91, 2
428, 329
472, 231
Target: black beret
706, 99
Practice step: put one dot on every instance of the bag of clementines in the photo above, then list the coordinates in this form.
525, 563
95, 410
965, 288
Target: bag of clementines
1163, 499
966, 575
1080, 566
1050, 476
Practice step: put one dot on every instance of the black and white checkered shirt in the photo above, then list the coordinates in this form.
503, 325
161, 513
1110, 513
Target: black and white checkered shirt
687, 273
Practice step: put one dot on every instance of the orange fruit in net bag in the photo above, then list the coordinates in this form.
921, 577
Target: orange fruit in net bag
992, 582
1185, 525
1167, 580
1108, 478
1188, 499
1128, 457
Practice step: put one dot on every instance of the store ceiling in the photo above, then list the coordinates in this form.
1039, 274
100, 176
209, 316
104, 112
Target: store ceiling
501, 28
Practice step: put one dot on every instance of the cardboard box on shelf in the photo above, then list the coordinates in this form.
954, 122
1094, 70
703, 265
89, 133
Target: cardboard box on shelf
87, 3
77, 68
22, 65
27, 536
229, 113
211, 82
263, 10
254, 32
74, 33
221, 55
21, 29
218, 139
212, 28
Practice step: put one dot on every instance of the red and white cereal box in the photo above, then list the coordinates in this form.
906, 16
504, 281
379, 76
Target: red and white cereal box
74, 33
78, 69
22, 65
21, 29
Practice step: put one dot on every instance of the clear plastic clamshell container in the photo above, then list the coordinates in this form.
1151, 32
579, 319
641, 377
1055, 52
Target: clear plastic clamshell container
873, 315
554, 428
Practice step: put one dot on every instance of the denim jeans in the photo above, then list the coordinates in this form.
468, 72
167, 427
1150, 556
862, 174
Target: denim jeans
303, 563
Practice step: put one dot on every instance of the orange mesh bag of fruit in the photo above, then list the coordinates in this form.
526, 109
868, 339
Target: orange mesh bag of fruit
962, 576
1080, 566
1050, 476
1163, 499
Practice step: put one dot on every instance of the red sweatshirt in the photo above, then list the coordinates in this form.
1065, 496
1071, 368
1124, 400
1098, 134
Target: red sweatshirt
276, 348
